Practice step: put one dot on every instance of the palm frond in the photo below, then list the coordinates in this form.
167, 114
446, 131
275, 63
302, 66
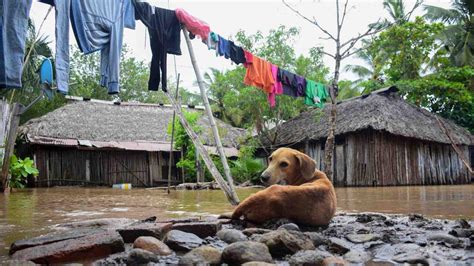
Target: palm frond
435, 13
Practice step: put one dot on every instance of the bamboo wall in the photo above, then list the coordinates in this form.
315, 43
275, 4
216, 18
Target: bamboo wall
70, 166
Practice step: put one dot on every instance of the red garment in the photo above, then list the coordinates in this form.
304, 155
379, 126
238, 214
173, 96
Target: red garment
193, 24
259, 73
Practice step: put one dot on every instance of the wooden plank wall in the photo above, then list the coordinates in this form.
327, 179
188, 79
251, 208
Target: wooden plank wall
371, 158
65, 166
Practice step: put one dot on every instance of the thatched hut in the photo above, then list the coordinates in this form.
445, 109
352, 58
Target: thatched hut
99, 142
381, 140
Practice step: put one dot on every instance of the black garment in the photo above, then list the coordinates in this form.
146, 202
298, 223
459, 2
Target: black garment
288, 80
165, 38
237, 54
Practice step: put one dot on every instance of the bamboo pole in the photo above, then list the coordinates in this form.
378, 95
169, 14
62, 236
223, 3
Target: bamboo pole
172, 138
215, 132
204, 154
10, 145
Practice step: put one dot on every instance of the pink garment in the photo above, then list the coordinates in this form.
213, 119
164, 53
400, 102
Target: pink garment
193, 24
277, 87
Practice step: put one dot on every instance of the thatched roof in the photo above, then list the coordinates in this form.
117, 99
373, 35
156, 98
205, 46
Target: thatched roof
382, 110
104, 123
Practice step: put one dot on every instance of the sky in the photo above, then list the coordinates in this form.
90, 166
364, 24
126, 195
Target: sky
227, 17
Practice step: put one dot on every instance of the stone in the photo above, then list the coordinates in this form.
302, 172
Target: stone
153, 245
309, 257
415, 217
273, 224
445, 238
246, 251
257, 263
460, 232
231, 235
412, 258
357, 256
283, 242
139, 257
333, 261
362, 238
201, 229
182, 241
289, 227
215, 242
389, 251
462, 223
180, 220
339, 246
157, 230
72, 250
255, 237
202, 255
251, 231
51, 238
226, 215
103, 223
317, 238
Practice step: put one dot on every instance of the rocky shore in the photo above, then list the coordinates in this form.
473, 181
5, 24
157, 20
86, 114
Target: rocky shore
363, 238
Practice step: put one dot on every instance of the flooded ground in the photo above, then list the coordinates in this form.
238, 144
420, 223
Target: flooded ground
34, 212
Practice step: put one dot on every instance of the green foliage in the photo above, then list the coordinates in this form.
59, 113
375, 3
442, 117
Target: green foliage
246, 167
20, 169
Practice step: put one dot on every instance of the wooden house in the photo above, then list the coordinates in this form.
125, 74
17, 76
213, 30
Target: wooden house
102, 143
381, 140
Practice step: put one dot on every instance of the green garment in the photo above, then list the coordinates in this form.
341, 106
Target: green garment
316, 94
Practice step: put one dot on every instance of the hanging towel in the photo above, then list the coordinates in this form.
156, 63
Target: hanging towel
13, 26
165, 30
259, 73
193, 24
277, 87
223, 47
98, 25
316, 94
237, 54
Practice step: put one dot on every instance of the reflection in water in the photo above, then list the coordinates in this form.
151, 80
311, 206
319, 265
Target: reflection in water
33, 212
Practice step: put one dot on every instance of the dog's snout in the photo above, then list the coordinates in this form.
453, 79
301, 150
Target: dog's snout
264, 177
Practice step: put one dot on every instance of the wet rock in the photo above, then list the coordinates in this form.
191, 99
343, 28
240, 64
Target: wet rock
201, 229
202, 255
257, 263
333, 261
226, 215
369, 217
95, 246
445, 238
255, 237
371, 244
51, 238
283, 242
103, 223
415, 217
139, 257
215, 242
459, 232
309, 257
289, 227
357, 256
231, 235
180, 220
225, 221
182, 241
462, 223
246, 251
153, 245
157, 230
362, 238
412, 258
389, 251
275, 223
339, 246
251, 231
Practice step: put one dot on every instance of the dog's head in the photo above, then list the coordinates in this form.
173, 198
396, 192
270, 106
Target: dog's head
288, 167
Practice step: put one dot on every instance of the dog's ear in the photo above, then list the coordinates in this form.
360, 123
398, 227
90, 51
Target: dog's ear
307, 165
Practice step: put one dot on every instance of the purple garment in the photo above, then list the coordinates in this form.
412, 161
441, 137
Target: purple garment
300, 86
293, 85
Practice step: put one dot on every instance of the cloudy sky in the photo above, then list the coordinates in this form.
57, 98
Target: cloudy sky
227, 17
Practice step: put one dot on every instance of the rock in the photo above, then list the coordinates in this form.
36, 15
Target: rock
182, 241
459, 232
103, 223
317, 238
283, 242
255, 237
257, 263
462, 223
156, 230
273, 224
139, 257
339, 246
227, 215
51, 238
201, 229
215, 242
357, 256
389, 251
225, 221
246, 251
180, 220
71, 250
362, 238
445, 238
289, 227
153, 245
231, 235
202, 255
251, 231
309, 257
333, 261
412, 258
415, 217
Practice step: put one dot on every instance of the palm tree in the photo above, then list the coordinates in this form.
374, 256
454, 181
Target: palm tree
458, 36
397, 11
372, 61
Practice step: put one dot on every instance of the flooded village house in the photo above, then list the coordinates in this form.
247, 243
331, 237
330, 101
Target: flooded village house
381, 140
102, 143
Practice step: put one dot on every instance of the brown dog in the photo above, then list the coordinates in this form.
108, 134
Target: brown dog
297, 191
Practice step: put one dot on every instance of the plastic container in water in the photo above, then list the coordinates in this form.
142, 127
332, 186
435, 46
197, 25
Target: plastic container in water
122, 186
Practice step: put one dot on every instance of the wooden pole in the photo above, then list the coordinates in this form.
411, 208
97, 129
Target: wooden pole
204, 154
207, 106
172, 138
10, 145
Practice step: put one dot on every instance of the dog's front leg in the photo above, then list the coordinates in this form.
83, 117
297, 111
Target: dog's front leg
260, 207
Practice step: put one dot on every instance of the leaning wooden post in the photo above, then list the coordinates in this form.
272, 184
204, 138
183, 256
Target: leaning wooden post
204, 154
172, 138
215, 132
10, 144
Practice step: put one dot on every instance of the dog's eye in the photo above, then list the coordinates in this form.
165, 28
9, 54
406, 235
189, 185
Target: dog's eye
270, 159
283, 164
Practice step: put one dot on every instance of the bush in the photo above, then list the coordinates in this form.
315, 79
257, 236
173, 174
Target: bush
20, 169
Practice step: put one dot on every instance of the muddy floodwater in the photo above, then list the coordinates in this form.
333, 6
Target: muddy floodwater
33, 212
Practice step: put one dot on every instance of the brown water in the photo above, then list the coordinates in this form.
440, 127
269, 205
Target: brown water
34, 212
